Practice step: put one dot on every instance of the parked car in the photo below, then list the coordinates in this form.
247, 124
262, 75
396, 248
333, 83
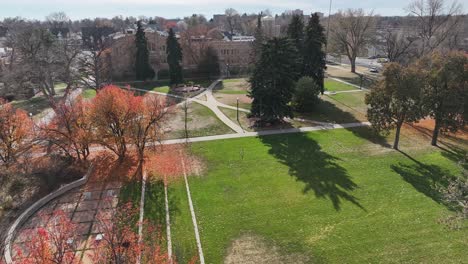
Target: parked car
372, 57
374, 70
382, 60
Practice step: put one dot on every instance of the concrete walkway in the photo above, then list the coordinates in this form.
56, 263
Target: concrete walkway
325, 126
211, 103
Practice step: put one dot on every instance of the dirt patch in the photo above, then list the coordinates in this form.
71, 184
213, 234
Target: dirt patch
231, 99
236, 85
250, 249
201, 121
427, 126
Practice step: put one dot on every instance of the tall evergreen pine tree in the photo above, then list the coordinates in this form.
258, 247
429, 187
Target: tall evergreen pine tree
272, 82
295, 33
209, 63
174, 58
259, 39
314, 55
143, 70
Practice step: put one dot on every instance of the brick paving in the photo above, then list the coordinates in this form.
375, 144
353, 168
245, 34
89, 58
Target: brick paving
82, 205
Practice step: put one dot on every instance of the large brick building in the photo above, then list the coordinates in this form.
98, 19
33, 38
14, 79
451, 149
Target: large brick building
233, 54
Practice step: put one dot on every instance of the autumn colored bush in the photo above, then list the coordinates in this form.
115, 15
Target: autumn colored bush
15, 132
56, 242
169, 163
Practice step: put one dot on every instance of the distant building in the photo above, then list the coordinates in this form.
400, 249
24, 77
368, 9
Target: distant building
270, 28
233, 54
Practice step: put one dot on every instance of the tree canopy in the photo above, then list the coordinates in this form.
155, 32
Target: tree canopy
143, 70
395, 99
445, 93
174, 58
314, 55
273, 79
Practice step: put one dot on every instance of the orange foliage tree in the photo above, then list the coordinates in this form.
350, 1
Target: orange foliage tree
147, 127
15, 130
112, 111
54, 243
120, 242
71, 130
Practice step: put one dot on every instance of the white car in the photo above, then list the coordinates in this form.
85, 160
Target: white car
374, 70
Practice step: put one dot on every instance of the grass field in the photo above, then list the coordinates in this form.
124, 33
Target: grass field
89, 93
329, 196
335, 86
161, 89
339, 108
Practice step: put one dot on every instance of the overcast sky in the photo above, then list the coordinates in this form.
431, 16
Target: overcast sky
77, 9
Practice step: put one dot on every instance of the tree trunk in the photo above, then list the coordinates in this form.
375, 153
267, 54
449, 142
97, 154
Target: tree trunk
435, 133
353, 65
397, 135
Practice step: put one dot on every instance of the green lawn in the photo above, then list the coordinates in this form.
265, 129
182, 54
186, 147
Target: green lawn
324, 197
161, 89
243, 117
89, 93
38, 104
335, 86
339, 108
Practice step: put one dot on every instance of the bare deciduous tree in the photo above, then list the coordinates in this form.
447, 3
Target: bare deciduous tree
233, 21
436, 23
397, 45
94, 69
351, 31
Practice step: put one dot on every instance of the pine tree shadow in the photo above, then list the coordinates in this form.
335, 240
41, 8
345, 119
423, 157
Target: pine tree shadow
329, 112
425, 178
318, 170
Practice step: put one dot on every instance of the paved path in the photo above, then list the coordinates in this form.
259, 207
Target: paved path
211, 103
194, 218
325, 126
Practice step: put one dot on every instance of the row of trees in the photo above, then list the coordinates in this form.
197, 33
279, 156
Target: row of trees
39, 60
435, 85
431, 25
280, 63
115, 118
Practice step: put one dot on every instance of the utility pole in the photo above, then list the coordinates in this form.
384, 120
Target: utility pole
328, 27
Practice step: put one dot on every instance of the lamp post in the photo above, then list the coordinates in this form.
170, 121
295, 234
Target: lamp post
361, 76
238, 109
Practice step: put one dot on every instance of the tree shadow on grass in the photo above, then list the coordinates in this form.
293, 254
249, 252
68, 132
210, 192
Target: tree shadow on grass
330, 113
155, 210
319, 171
425, 178
155, 207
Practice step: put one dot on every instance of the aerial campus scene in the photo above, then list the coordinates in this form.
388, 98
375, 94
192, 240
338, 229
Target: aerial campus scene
148, 131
